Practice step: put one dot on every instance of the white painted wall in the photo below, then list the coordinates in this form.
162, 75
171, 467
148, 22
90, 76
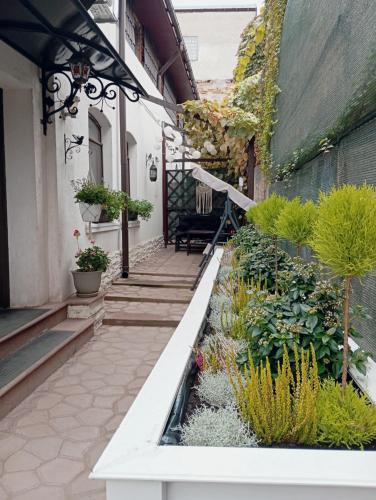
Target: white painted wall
42, 214
218, 40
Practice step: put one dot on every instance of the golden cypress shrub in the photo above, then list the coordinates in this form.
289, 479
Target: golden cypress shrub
295, 222
265, 214
344, 238
280, 410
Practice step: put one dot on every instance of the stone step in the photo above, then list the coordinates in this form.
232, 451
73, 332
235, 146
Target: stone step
163, 279
19, 326
151, 283
26, 368
133, 319
162, 274
158, 299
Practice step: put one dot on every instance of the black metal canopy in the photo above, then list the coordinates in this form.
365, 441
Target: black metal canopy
48, 32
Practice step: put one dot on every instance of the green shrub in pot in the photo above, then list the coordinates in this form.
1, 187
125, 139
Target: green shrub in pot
139, 208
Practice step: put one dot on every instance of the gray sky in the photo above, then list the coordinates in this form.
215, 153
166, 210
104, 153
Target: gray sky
218, 3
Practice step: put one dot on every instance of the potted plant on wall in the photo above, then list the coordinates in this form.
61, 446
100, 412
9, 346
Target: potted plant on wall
91, 263
139, 208
91, 198
97, 200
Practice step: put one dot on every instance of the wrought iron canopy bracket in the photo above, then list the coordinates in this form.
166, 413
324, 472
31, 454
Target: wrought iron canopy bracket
57, 100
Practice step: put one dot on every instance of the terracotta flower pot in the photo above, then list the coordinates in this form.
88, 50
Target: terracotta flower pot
88, 283
90, 213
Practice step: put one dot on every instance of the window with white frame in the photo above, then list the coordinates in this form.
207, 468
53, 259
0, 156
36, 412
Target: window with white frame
191, 42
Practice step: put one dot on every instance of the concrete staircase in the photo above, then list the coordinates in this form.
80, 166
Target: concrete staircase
33, 344
148, 299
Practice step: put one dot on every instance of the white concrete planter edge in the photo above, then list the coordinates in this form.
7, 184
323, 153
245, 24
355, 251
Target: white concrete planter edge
134, 465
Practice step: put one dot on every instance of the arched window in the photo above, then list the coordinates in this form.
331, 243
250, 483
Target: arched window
95, 151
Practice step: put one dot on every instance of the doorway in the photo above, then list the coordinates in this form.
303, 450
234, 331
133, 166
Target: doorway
4, 251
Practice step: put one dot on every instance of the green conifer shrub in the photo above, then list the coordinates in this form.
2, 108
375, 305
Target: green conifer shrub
344, 238
295, 222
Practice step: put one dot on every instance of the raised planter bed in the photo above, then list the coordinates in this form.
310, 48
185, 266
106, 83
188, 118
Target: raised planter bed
136, 465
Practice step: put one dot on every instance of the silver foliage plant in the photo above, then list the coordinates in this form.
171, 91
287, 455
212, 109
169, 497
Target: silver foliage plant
219, 342
224, 274
221, 316
215, 389
221, 427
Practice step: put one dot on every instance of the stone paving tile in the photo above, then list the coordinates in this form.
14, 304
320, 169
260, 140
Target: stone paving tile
50, 448
50, 442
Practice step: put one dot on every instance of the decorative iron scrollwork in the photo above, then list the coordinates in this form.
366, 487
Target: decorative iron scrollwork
71, 145
54, 102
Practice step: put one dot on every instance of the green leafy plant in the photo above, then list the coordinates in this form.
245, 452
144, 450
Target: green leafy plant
143, 208
307, 311
89, 192
345, 419
280, 409
295, 222
113, 202
344, 238
265, 216
92, 259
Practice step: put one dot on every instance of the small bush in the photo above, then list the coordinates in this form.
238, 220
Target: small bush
259, 265
280, 409
344, 235
266, 213
222, 427
295, 222
345, 419
215, 389
344, 239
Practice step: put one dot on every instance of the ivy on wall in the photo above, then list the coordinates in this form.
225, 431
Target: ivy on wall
227, 127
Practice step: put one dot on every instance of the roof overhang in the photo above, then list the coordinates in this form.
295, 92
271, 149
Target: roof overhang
159, 19
49, 32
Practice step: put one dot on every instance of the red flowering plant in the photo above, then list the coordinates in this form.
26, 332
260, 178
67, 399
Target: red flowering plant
92, 258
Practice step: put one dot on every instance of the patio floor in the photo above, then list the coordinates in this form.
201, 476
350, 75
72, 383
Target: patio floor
49, 443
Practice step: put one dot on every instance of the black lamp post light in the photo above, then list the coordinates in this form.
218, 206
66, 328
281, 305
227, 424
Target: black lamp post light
151, 164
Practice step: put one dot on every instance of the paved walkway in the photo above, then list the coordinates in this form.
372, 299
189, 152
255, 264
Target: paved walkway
49, 443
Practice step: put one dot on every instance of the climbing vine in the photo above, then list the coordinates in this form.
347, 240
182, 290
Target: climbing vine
225, 129
220, 130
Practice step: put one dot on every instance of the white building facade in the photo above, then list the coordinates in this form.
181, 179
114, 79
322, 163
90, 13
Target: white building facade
211, 31
39, 214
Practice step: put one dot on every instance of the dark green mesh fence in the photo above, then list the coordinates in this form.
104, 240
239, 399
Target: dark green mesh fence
328, 83
327, 71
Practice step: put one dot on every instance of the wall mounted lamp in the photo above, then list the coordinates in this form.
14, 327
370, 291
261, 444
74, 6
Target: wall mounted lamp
151, 164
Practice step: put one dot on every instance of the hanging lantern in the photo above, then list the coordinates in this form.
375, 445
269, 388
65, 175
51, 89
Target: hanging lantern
153, 172
80, 67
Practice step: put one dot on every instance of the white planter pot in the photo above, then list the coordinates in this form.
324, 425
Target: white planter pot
90, 213
135, 465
